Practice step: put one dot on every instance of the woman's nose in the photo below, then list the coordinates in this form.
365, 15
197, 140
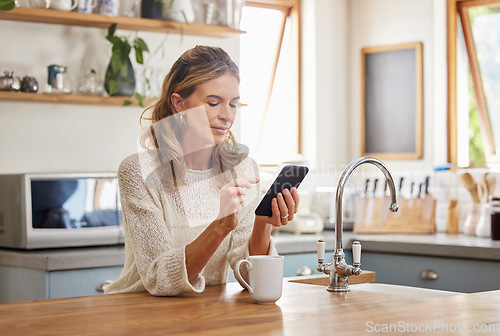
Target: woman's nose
227, 113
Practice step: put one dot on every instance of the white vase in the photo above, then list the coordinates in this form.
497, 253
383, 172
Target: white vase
483, 227
472, 219
179, 10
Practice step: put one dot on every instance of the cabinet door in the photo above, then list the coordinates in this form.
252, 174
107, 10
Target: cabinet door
20, 284
458, 275
80, 282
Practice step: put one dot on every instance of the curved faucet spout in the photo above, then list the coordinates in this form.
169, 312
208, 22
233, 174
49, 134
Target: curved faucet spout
339, 271
393, 206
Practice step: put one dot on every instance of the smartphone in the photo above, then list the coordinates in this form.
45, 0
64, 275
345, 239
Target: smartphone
290, 176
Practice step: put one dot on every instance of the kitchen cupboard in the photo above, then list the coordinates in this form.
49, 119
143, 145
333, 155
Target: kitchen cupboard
20, 284
48, 16
452, 274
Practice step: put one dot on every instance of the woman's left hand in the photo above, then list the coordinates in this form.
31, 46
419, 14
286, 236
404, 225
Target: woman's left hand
284, 208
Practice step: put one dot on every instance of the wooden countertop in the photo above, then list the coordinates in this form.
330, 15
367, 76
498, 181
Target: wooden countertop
229, 310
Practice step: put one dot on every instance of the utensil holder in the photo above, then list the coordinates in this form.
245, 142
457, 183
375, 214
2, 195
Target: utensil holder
472, 219
414, 216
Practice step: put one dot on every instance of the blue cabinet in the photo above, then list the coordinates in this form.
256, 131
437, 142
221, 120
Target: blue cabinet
79, 282
19, 284
451, 274
460, 275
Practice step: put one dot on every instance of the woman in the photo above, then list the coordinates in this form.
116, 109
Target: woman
188, 201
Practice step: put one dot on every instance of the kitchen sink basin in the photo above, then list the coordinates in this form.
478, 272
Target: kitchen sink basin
365, 282
401, 290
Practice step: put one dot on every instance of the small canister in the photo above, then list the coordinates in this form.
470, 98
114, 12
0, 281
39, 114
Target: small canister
495, 218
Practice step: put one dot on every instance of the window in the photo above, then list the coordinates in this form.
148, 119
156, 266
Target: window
269, 68
478, 31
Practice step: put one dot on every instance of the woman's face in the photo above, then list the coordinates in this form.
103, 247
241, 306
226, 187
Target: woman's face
210, 110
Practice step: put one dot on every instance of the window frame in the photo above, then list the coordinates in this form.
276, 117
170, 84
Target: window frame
293, 9
457, 9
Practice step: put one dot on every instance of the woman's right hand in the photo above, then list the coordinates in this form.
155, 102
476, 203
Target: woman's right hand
231, 198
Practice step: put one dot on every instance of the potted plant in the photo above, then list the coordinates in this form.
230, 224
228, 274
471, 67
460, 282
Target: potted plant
120, 76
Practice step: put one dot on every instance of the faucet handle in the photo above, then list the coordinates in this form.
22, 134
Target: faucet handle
356, 253
320, 246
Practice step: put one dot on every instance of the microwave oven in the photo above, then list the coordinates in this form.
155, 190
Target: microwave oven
60, 210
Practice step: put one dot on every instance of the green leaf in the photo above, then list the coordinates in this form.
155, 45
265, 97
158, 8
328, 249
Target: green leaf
123, 50
7, 5
111, 30
124, 73
127, 102
139, 43
116, 63
115, 40
126, 80
113, 87
139, 98
138, 55
185, 17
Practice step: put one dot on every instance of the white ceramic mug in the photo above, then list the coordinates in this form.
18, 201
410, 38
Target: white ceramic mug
265, 277
86, 6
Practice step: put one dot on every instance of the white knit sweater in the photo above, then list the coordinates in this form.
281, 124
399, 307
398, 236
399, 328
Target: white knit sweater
159, 223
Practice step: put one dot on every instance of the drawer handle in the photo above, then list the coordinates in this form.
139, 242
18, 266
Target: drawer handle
428, 275
101, 286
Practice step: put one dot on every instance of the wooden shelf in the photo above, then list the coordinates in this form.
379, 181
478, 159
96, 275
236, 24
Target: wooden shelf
102, 21
28, 97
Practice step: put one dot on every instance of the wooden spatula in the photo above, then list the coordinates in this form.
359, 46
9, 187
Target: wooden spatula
470, 184
491, 182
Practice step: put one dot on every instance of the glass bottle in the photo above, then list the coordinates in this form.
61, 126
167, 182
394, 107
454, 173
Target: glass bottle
495, 218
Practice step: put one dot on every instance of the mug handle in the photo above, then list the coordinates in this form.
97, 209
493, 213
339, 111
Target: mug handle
74, 4
238, 275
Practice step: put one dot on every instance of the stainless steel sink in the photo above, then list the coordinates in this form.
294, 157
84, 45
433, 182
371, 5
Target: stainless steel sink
401, 290
365, 282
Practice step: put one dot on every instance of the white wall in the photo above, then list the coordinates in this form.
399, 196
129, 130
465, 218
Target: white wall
333, 34
37, 137
386, 22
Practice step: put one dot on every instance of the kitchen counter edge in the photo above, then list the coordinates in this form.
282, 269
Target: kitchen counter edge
434, 245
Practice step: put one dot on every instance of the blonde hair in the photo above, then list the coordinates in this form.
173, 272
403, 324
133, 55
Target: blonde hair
194, 67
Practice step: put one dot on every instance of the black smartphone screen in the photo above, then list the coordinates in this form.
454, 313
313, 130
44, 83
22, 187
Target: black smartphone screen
290, 176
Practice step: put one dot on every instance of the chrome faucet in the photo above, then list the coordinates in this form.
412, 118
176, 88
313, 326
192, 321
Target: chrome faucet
339, 270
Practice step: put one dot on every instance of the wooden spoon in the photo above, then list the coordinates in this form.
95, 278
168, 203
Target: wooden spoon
470, 184
485, 181
482, 191
491, 182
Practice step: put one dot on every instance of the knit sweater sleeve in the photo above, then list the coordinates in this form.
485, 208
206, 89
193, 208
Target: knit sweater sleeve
160, 263
239, 248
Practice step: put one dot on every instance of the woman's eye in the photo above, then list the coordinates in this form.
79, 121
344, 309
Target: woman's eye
233, 106
213, 104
